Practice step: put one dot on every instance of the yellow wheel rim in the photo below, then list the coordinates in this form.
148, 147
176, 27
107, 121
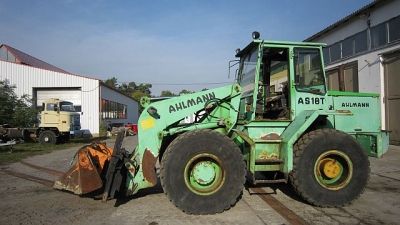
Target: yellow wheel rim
333, 170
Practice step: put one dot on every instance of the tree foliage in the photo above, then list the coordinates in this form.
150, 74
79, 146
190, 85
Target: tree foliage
17, 112
167, 93
184, 92
136, 91
111, 82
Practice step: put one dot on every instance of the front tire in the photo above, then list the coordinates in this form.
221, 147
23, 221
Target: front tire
47, 137
330, 169
203, 172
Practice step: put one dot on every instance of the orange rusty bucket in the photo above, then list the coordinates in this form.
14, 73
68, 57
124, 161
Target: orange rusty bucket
85, 175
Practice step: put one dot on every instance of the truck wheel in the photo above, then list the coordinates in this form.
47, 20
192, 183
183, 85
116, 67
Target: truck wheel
330, 169
203, 172
47, 137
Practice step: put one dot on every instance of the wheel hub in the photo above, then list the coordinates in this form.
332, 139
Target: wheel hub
203, 173
331, 168
46, 139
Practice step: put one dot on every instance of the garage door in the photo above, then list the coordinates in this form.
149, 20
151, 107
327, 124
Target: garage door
71, 95
392, 81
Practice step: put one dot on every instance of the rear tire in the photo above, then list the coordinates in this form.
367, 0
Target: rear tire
47, 137
203, 172
330, 169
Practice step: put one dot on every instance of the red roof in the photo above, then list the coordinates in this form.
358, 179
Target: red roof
23, 58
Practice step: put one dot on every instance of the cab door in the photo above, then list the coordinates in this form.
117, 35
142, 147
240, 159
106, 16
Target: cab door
309, 89
51, 115
273, 98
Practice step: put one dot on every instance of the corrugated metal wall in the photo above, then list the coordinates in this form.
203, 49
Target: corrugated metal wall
26, 78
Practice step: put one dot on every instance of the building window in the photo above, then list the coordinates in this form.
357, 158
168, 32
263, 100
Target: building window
335, 52
394, 29
378, 36
361, 42
343, 78
325, 52
113, 110
348, 47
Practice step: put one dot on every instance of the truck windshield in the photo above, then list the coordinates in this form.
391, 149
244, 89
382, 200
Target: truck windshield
309, 74
67, 107
248, 71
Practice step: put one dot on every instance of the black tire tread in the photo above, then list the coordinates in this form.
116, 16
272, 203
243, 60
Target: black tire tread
192, 134
298, 151
49, 132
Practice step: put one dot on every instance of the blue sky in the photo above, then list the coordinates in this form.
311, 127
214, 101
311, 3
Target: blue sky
161, 42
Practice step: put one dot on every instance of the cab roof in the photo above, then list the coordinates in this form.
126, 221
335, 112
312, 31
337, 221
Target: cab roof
256, 42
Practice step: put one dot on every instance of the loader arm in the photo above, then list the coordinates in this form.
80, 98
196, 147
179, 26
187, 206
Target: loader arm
162, 119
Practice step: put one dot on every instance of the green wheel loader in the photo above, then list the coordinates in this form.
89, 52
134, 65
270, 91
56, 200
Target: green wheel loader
278, 123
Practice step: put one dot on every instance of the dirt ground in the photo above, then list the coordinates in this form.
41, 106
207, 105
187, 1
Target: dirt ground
33, 201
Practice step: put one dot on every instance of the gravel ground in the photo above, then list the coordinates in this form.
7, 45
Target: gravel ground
27, 202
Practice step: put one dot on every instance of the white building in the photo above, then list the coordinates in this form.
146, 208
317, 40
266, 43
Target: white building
363, 55
92, 98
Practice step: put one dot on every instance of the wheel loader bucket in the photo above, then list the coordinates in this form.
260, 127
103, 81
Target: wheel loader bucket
85, 175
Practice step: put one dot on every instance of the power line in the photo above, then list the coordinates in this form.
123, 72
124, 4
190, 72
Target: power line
177, 83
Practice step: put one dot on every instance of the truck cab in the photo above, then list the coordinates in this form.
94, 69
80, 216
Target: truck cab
58, 120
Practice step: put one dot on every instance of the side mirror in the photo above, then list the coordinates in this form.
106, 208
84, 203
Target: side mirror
56, 108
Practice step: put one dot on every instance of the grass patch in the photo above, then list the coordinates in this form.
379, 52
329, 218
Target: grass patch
24, 150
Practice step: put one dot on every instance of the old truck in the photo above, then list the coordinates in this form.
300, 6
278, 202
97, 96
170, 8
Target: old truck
57, 122
277, 124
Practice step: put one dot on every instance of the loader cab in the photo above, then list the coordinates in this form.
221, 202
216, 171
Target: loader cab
276, 76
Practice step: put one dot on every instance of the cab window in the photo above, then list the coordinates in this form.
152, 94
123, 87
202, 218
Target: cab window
248, 72
50, 107
309, 75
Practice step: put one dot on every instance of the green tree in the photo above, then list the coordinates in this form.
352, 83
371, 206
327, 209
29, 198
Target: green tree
128, 88
112, 82
184, 91
145, 88
167, 93
25, 115
7, 100
140, 91
137, 95
15, 111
